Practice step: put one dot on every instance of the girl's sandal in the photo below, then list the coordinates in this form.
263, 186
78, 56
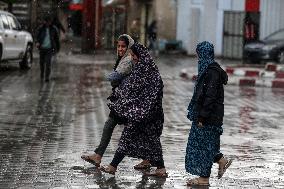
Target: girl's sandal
88, 159
142, 165
223, 169
196, 182
108, 169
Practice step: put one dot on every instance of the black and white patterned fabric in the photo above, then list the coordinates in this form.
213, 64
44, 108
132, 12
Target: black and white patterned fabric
139, 101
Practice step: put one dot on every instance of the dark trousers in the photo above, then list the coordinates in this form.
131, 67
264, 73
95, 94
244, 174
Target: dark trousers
45, 63
118, 157
106, 136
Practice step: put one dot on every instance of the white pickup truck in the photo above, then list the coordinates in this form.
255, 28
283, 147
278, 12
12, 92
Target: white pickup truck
15, 44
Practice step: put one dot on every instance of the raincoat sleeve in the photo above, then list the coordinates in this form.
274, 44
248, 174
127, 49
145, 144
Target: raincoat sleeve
114, 76
210, 94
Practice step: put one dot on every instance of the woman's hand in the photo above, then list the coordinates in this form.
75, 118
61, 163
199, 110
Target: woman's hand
200, 125
200, 122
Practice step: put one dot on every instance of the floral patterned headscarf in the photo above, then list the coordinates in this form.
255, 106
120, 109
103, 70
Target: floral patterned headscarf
205, 52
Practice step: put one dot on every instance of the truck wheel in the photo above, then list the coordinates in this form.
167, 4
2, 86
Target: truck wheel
27, 61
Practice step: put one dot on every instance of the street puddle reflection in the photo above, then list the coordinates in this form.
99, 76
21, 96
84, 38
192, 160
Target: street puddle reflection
119, 181
278, 92
151, 182
104, 182
198, 187
249, 151
245, 110
91, 76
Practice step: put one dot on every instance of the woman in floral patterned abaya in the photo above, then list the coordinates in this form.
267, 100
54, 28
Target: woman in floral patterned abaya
139, 104
206, 111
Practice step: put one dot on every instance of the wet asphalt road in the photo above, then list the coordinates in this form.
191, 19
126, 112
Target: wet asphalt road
46, 127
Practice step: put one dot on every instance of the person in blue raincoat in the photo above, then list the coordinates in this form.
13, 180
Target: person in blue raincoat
206, 111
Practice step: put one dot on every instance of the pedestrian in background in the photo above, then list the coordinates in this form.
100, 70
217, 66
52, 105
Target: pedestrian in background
138, 102
121, 70
48, 45
206, 111
152, 36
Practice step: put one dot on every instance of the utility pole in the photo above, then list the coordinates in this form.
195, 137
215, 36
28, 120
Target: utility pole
98, 24
33, 16
10, 5
91, 31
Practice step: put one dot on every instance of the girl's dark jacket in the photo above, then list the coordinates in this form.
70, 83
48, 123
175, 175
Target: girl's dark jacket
54, 37
210, 95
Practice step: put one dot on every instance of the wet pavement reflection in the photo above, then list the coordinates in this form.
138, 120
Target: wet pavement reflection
46, 127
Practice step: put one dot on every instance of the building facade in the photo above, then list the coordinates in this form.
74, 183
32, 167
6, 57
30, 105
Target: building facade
135, 16
223, 22
30, 13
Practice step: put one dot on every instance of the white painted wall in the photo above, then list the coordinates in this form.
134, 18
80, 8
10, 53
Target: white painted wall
199, 20
183, 24
272, 16
209, 26
189, 23
237, 5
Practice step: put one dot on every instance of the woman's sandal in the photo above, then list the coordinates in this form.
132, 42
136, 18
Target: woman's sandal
156, 173
196, 182
223, 169
142, 165
108, 169
92, 161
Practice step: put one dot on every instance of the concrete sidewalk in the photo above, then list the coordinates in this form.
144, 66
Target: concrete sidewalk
271, 75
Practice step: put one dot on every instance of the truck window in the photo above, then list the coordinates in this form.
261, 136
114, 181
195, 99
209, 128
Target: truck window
5, 22
18, 25
1, 23
12, 23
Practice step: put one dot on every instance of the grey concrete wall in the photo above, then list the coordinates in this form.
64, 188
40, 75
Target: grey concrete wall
164, 11
166, 16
